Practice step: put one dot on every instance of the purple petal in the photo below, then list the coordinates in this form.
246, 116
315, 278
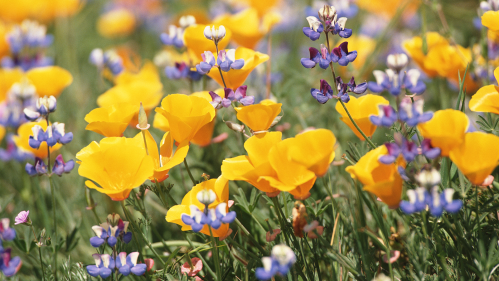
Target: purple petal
139, 269
237, 64
307, 63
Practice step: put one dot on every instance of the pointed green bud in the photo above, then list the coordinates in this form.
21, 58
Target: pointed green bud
143, 125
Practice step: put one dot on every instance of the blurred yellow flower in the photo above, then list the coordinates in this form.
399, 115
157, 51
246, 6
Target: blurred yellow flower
7, 78
364, 46
258, 117
442, 59
186, 115
196, 43
134, 88
490, 19
235, 78
380, 179
50, 9
111, 121
2, 132
22, 140
487, 98
446, 129
204, 135
247, 27
262, 6
49, 80
388, 8
360, 109
116, 23
4, 44
221, 188
477, 156
273, 165
117, 164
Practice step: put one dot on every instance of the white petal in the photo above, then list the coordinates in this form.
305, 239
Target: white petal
122, 257
133, 257
105, 260
342, 22
97, 259
380, 76
221, 32
231, 54
413, 75
207, 33
98, 230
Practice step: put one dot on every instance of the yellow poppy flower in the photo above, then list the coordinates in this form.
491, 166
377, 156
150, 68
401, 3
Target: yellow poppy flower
133, 89
221, 188
256, 164
235, 78
117, 164
477, 156
19, 10
4, 44
57, 8
388, 8
49, 80
273, 165
111, 121
186, 115
364, 46
2, 132
116, 23
7, 78
196, 43
22, 140
380, 179
263, 7
445, 130
247, 27
258, 117
204, 135
414, 48
490, 19
360, 109
487, 98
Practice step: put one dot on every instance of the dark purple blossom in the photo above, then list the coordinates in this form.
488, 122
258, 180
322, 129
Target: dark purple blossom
412, 113
324, 94
342, 56
386, 117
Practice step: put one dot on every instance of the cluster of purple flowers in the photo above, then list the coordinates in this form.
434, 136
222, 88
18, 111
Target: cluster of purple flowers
226, 60
410, 113
110, 232
213, 217
230, 96
279, 263
53, 135
328, 22
394, 80
28, 42
105, 264
106, 60
428, 195
8, 265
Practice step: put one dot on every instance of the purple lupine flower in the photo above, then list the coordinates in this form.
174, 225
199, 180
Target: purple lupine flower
316, 28
322, 57
440, 202
417, 201
428, 150
412, 113
12, 152
61, 167
344, 88
408, 149
59, 134
216, 100
123, 231
280, 261
39, 136
207, 64
6, 232
101, 235
22, 218
341, 55
339, 28
43, 107
174, 37
324, 94
197, 220
36, 170
178, 71
412, 83
389, 81
240, 96
128, 264
386, 117
9, 266
230, 96
104, 266
227, 60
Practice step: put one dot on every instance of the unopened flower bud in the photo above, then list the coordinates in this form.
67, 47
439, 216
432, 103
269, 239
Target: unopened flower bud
143, 125
206, 196
215, 34
235, 127
276, 120
428, 177
186, 21
397, 62
327, 12
42, 234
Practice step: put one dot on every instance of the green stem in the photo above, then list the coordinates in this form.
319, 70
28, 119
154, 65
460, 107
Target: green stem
136, 227
205, 264
215, 255
277, 207
52, 191
189, 172
243, 229
41, 262
356, 126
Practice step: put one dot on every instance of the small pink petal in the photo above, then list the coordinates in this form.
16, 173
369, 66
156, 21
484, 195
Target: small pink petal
319, 229
22, 217
394, 255
338, 163
149, 263
197, 265
309, 227
220, 138
488, 181
273, 194
271, 237
283, 127
197, 278
230, 203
